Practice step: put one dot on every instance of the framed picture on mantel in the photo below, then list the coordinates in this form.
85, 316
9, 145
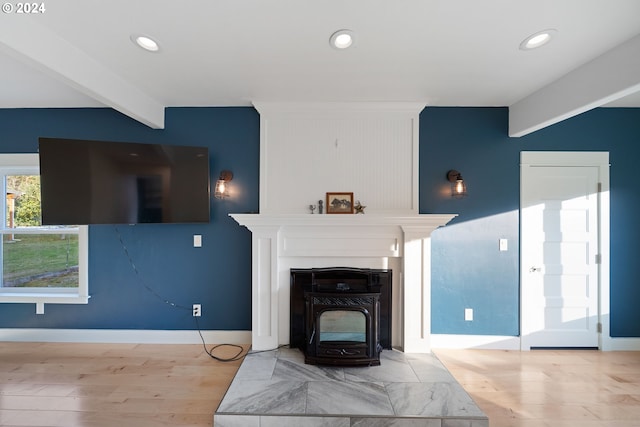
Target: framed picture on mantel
339, 203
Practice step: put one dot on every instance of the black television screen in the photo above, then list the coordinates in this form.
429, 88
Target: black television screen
103, 182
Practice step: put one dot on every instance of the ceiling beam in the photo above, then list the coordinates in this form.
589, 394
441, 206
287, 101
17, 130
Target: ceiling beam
609, 77
38, 47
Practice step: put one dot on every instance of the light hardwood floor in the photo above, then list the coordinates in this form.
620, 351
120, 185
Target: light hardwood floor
123, 385
550, 388
111, 385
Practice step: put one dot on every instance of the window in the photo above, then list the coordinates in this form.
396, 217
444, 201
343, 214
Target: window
40, 264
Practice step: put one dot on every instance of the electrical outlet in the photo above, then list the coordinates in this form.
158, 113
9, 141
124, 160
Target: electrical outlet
197, 310
197, 240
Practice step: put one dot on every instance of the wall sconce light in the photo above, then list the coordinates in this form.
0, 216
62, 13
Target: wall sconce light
222, 187
458, 187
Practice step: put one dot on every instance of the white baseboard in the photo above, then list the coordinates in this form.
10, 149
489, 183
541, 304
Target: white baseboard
623, 344
490, 342
124, 336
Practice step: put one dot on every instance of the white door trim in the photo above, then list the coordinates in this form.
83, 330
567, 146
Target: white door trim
581, 158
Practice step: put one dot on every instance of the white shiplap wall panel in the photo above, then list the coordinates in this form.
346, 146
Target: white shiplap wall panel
369, 151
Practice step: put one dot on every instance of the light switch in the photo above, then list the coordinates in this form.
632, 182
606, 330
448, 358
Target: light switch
468, 314
503, 245
197, 241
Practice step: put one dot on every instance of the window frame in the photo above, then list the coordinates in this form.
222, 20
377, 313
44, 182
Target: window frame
19, 164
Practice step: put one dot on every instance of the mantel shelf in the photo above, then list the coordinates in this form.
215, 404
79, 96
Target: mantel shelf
333, 220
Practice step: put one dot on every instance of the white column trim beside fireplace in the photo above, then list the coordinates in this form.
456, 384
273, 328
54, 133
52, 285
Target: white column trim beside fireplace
417, 288
277, 239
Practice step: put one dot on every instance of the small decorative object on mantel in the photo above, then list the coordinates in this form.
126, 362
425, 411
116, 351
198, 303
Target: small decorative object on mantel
319, 206
312, 208
339, 203
359, 208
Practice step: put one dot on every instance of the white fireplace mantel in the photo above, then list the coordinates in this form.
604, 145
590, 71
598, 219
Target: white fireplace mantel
284, 241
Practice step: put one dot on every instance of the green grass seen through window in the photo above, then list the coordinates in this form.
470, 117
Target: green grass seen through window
40, 260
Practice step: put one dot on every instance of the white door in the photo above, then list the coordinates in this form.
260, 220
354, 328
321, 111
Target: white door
559, 253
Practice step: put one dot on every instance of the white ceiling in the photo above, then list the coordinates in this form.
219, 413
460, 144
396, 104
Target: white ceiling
78, 53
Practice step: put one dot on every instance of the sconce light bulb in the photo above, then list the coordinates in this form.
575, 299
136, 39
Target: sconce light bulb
221, 190
458, 187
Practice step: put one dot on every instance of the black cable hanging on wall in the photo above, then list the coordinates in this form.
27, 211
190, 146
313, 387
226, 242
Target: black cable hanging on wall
239, 354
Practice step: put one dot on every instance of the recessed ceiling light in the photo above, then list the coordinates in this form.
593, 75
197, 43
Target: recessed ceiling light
145, 42
341, 39
538, 39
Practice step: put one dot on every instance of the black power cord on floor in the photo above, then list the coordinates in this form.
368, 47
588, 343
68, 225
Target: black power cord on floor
233, 358
238, 355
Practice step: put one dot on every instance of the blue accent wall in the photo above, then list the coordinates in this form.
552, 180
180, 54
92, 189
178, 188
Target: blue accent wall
467, 268
170, 274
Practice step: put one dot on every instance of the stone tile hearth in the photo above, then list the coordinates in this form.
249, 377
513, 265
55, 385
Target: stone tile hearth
276, 388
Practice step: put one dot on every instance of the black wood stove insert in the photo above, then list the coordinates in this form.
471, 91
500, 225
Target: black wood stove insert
341, 315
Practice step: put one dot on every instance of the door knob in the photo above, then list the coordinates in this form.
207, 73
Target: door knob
535, 269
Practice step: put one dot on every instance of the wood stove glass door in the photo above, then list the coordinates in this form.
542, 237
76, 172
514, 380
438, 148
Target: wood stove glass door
343, 326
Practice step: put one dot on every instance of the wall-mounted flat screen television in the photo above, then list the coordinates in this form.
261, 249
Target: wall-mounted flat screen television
103, 182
